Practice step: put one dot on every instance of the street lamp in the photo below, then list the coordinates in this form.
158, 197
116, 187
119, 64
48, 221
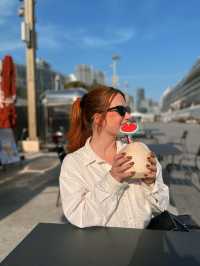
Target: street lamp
115, 78
21, 10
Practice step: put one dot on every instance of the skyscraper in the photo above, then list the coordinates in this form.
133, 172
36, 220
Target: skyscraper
88, 75
140, 97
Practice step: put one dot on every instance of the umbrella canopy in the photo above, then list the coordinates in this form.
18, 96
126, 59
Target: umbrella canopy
7, 93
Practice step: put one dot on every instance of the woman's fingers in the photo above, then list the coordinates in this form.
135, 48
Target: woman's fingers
121, 164
151, 168
127, 174
121, 159
151, 165
152, 162
152, 154
152, 158
118, 156
150, 175
126, 166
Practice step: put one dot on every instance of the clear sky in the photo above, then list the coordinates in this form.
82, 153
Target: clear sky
158, 40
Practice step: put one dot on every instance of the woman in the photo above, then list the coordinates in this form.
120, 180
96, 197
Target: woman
94, 185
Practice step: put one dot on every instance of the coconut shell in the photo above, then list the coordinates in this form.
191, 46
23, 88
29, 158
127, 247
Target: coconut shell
139, 153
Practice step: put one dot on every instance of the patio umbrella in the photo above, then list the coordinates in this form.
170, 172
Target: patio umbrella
8, 94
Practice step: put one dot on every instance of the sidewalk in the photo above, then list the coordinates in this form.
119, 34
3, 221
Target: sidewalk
28, 194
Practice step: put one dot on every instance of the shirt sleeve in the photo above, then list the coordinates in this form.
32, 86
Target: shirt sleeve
157, 193
82, 205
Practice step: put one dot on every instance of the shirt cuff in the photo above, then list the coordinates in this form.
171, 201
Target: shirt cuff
150, 189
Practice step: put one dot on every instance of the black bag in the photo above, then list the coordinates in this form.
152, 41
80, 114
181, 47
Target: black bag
169, 221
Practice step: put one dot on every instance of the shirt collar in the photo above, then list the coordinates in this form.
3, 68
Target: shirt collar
92, 157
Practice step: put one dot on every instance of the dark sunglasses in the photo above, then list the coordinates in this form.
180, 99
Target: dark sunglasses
120, 109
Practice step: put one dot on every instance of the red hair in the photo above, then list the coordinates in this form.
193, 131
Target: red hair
82, 113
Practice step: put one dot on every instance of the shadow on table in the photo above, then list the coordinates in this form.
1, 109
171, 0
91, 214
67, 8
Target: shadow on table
164, 249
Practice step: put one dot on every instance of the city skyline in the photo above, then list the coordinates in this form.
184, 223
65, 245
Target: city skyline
157, 42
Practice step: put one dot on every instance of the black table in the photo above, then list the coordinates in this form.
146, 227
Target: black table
164, 149
66, 245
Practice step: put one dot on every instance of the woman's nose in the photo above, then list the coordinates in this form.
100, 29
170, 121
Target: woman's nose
127, 116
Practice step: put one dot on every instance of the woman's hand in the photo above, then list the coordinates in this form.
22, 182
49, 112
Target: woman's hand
121, 163
150, 177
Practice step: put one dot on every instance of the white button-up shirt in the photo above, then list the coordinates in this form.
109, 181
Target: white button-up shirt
92, 197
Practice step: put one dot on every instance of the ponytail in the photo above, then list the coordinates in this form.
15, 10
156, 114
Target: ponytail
78, 132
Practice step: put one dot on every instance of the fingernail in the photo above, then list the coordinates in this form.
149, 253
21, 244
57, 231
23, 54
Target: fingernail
129, 157
132, 163
123, 153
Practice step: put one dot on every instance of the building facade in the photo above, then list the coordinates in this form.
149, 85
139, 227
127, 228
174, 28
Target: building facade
46, 79
185, 93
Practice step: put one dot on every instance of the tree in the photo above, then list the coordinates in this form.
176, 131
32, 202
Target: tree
76, 84
81, 84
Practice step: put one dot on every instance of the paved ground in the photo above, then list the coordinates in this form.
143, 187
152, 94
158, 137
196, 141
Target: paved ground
28, 192
28, 196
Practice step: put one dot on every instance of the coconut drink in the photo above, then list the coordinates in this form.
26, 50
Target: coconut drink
139, 153
137, 150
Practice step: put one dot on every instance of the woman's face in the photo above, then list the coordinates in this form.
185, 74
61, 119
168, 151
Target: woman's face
113, 119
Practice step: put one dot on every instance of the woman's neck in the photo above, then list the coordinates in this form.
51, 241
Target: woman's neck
104, 146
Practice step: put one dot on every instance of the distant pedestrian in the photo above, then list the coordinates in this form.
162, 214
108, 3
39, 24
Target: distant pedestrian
94, 182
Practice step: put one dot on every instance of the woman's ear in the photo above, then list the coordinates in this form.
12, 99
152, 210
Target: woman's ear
97, 119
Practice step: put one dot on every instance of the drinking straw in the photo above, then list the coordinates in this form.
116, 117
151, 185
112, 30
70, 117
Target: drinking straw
128, 139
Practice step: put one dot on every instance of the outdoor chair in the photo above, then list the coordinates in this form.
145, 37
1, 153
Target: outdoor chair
178, 160
182, 142
196, 159
60, 152
193, 161
191, 168
182, 146
61, 155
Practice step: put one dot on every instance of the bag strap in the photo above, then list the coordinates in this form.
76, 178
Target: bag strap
183, 225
